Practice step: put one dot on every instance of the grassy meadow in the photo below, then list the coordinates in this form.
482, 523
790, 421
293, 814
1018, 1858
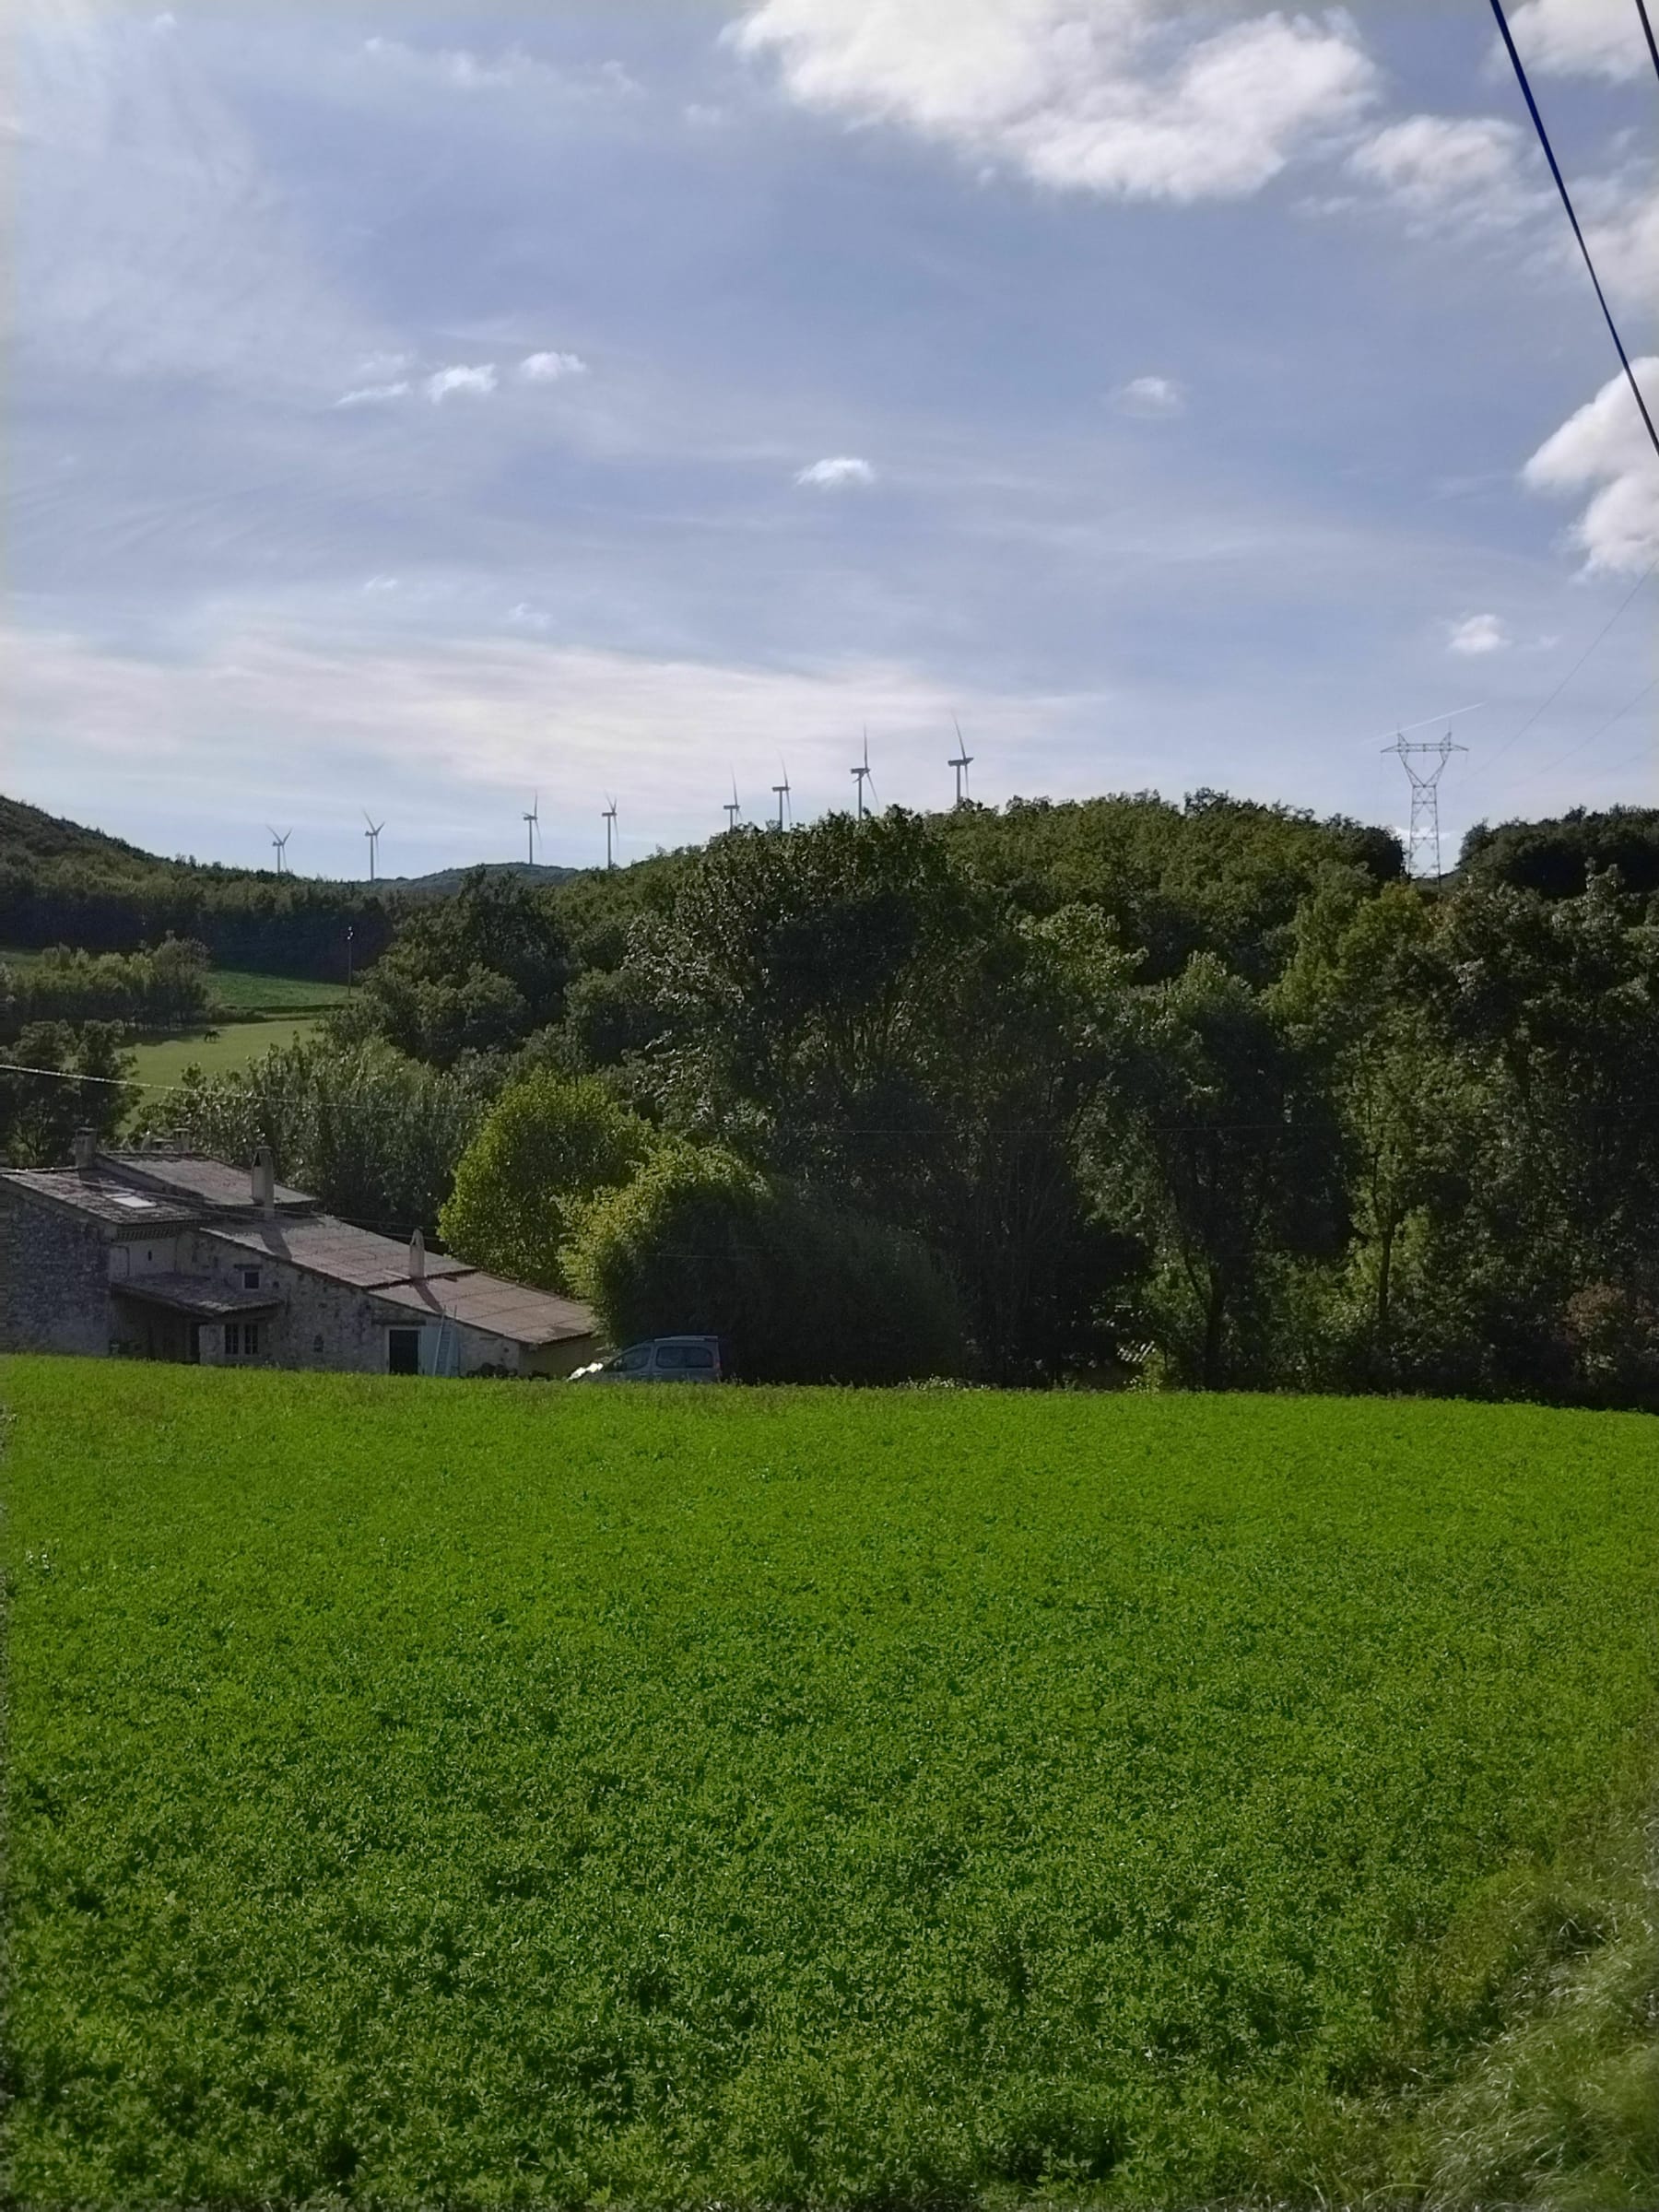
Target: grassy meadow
215, 1050
424, 1793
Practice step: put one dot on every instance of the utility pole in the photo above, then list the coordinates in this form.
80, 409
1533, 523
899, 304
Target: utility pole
1423, 839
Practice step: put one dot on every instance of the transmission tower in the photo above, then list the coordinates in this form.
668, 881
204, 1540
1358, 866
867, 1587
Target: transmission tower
1423, 839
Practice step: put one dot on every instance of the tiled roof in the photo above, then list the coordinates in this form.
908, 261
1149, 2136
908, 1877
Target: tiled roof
485, 1302
213, 1181
192, 1294
326, 1246
104, 1198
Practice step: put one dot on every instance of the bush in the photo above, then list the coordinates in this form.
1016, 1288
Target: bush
547, 1144
698, 1243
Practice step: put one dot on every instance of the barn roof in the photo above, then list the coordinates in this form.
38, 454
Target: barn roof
485, 1302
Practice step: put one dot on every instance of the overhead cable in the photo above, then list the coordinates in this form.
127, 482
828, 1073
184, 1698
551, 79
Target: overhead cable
1647, 26
1555, 170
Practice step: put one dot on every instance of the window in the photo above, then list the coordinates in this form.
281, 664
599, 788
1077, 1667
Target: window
241, 1340
249, 1278
634, 1362
684, 1358
403, 1352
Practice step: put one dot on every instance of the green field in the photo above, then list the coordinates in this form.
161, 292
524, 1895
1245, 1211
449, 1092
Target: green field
215, 1051
244, 992
432, 1792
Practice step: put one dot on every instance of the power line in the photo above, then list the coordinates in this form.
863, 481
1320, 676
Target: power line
1647, 26
1555, 170
1550, 766
1577, 665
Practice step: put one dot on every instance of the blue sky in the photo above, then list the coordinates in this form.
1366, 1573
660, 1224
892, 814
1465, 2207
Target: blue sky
413, 408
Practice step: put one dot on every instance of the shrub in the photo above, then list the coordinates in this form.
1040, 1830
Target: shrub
701, 1243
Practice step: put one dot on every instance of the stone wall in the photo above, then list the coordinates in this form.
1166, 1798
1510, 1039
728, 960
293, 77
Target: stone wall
53, 1278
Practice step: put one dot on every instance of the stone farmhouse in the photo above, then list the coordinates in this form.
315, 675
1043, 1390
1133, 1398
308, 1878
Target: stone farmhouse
155, 1255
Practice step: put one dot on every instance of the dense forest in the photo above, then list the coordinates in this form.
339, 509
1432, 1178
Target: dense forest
1121, 1091
61, 884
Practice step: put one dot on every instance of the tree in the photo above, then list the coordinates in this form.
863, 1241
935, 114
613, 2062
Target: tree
1220, 1142
700, 1242
471, 973
547, 1144
41, 1105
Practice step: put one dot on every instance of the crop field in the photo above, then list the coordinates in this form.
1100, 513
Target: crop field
434, 1793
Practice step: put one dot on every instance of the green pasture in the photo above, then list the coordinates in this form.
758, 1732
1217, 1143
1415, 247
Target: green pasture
425, 1792
241, 991
216, 1052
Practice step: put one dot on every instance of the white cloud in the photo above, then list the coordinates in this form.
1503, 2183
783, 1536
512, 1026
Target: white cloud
1477, 633
369, 395
836, 471
1604, 448
1581, 38
1464, 171
547, 367
1121, 97
381, 583
1151, 395
1621, 220
532, 618
479, 381
459, 69
331, 708
157, 243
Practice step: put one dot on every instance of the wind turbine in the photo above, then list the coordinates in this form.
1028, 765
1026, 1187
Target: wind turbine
780, 792
861, 775
731, 808
610, 826
961, 762
372, 834
280, 838
532, 824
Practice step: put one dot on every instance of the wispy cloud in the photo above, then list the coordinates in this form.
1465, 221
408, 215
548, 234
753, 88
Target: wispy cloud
371, 394
481, 380
1603, 449
1478, 634
548, 368
1452, 171
1581, 38
836, 472
1150, 396
1129, 98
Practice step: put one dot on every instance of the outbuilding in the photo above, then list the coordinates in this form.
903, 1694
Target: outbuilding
158, 1255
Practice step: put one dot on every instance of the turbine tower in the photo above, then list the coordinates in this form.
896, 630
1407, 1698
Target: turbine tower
280, 838
961, 762
861, 775
532, 824
731, 809
1423, 839
372, 834
780, 792
610, 829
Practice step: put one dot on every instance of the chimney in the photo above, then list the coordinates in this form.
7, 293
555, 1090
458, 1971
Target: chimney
85, 1153
265, 1182
417, 1258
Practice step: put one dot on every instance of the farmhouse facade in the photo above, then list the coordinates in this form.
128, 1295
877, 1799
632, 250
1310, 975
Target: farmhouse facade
157, 1255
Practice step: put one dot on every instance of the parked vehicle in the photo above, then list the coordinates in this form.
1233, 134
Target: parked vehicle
663, 1359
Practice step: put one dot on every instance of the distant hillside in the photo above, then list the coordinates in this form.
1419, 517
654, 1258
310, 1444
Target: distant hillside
442, 883
28, 834
62, 883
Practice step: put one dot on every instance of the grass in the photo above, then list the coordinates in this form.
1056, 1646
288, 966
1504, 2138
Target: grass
461, 1793
215, 1051
242, 991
